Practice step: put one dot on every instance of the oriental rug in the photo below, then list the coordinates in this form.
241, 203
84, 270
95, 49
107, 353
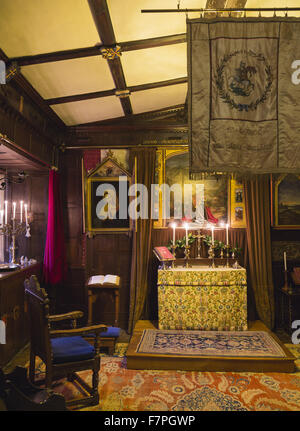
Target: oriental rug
121, 389
209, 343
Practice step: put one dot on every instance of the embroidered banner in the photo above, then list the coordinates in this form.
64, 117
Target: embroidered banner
244, 105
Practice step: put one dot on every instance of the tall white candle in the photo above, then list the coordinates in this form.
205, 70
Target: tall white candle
284, 258
174, 228
212, 235
227, 226
186, 234
26, 218
5, 207
1, 217
21, 211
14, 210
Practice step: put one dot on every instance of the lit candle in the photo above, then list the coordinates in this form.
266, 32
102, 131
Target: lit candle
5, 206
284, 259
186, 234
227, 226
1, 217
21, 211
14, 210
26, 219
174, 228
212, 235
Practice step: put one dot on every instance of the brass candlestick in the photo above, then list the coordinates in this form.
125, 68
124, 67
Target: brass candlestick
227, 247
211, 255
173, 247
286, 287
199, 237
187, 256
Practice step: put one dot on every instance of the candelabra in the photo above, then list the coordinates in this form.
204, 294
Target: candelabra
12, 230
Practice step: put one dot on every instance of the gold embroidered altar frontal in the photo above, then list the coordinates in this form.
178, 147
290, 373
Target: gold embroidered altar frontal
202, 298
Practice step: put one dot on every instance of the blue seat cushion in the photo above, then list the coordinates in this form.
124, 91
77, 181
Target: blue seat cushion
112, 332
71, 349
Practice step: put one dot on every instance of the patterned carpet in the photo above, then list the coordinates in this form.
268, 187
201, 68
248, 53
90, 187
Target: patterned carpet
135, 390
209, 343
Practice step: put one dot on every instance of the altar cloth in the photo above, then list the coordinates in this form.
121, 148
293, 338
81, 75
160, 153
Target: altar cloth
202, 298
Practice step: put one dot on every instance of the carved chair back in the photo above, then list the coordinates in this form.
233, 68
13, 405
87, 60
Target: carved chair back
38, 311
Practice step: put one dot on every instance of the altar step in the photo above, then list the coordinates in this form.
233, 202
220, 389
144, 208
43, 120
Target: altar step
145, 361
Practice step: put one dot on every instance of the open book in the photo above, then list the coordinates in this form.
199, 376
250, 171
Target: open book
163, 254
104, 280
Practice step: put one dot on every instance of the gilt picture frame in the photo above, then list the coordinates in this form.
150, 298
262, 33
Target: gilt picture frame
285, 201
172, 166
107, 175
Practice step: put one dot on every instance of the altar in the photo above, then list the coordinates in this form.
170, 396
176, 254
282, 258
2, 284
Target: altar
202, 298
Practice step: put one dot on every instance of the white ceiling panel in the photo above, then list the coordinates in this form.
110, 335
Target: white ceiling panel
155, 64
29, 27
65, 78
158, 98
87, 111
130, 24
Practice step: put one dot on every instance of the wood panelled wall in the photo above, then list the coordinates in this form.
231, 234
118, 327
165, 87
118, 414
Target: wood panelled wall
103, 254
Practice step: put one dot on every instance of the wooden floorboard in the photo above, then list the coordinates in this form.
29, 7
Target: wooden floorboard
143, 361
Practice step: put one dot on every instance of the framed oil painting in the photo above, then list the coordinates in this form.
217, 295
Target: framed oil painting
101, 194
285, 194
172, 167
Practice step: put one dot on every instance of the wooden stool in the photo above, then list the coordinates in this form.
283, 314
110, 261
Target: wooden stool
107, 339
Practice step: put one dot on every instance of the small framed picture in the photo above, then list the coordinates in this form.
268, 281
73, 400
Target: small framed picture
238, 213
237, 204
238, 195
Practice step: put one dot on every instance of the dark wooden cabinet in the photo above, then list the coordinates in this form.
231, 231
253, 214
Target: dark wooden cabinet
288, 308
13, 310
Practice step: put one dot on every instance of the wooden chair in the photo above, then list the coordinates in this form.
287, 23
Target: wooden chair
108, 338
20, 395
64, 352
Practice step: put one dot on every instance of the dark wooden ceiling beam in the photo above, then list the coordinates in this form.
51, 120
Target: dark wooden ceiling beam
220, 4
106, 93
49, 57
79, 97
91, 51
158, 84
105, 30
153, 42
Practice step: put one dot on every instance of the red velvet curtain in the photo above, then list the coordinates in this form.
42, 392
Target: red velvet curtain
54, 268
